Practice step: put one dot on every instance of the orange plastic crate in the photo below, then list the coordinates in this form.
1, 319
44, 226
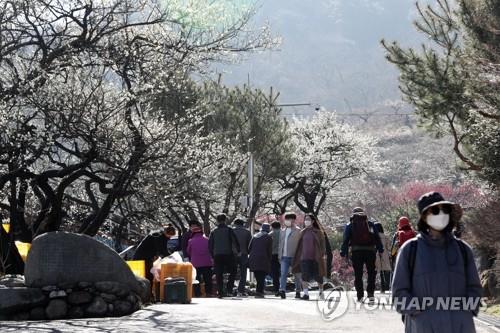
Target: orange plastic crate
184, 270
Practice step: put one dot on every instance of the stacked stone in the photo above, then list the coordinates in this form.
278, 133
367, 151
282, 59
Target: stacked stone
80, 300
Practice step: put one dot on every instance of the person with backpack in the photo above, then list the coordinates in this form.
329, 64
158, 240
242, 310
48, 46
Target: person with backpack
289, 239
201, 259
259, 260
363, 238
404, 233
224, 248
383, 262
309, 258
244, 237
438, 268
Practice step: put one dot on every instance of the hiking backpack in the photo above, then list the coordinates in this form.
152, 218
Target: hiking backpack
361, 231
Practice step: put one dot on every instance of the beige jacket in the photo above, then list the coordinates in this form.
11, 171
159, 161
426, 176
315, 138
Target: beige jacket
386, 262
293, 241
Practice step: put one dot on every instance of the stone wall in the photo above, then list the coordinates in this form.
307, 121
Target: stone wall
69, 300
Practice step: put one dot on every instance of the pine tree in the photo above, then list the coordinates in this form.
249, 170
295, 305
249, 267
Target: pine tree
453, 82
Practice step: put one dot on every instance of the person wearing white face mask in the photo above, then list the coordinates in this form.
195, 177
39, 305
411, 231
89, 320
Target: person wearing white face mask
289, 239
437, 267
309, 258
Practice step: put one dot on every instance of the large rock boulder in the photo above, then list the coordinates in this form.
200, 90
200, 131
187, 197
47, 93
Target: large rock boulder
57, 258
57, 309
20, 299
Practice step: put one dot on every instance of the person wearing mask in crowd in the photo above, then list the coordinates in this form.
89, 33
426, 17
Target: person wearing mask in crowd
259, 260
310, 256
446, 272
361, 235
244, 237
289, 239
186, 236
383, 261
154, 246
224, 248
201, 259
275, 262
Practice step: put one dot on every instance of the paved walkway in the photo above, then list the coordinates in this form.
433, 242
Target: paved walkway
231, 315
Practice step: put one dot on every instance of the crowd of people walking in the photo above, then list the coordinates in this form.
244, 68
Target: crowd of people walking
284, 251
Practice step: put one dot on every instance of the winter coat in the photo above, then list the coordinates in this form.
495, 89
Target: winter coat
153, 245
244, 237
197, 250
383, 261
275, 234
223, 241
292, 242
184, 242
260, 252
438, 270
319, 252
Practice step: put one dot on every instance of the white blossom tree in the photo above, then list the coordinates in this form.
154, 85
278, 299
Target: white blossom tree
327, 153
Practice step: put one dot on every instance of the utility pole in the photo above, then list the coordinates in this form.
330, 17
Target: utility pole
250, 194
250, 184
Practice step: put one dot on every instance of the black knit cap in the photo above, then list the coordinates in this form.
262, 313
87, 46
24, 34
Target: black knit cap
221, 218
431, 199
275, 225
239, 221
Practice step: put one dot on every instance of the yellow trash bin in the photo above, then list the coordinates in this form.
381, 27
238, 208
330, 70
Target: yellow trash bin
138, 267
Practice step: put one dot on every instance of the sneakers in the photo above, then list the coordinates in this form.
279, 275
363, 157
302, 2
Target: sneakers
297, 295
259, 295
305, 298
282, 294
277, 294
241, 294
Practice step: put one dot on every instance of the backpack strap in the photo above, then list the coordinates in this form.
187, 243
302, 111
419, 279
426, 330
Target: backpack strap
465, 258
412, 258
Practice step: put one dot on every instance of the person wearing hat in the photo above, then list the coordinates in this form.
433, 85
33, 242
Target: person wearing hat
224, 248
404, 233
363, 238
244, 237
259, 260
289, 239
275, 262
440, 267
186, 236
201, 259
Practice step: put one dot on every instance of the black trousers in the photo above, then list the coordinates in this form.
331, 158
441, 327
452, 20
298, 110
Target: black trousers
360, 259
385, 280
260, 276
275, 272
225, 263
203, 274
